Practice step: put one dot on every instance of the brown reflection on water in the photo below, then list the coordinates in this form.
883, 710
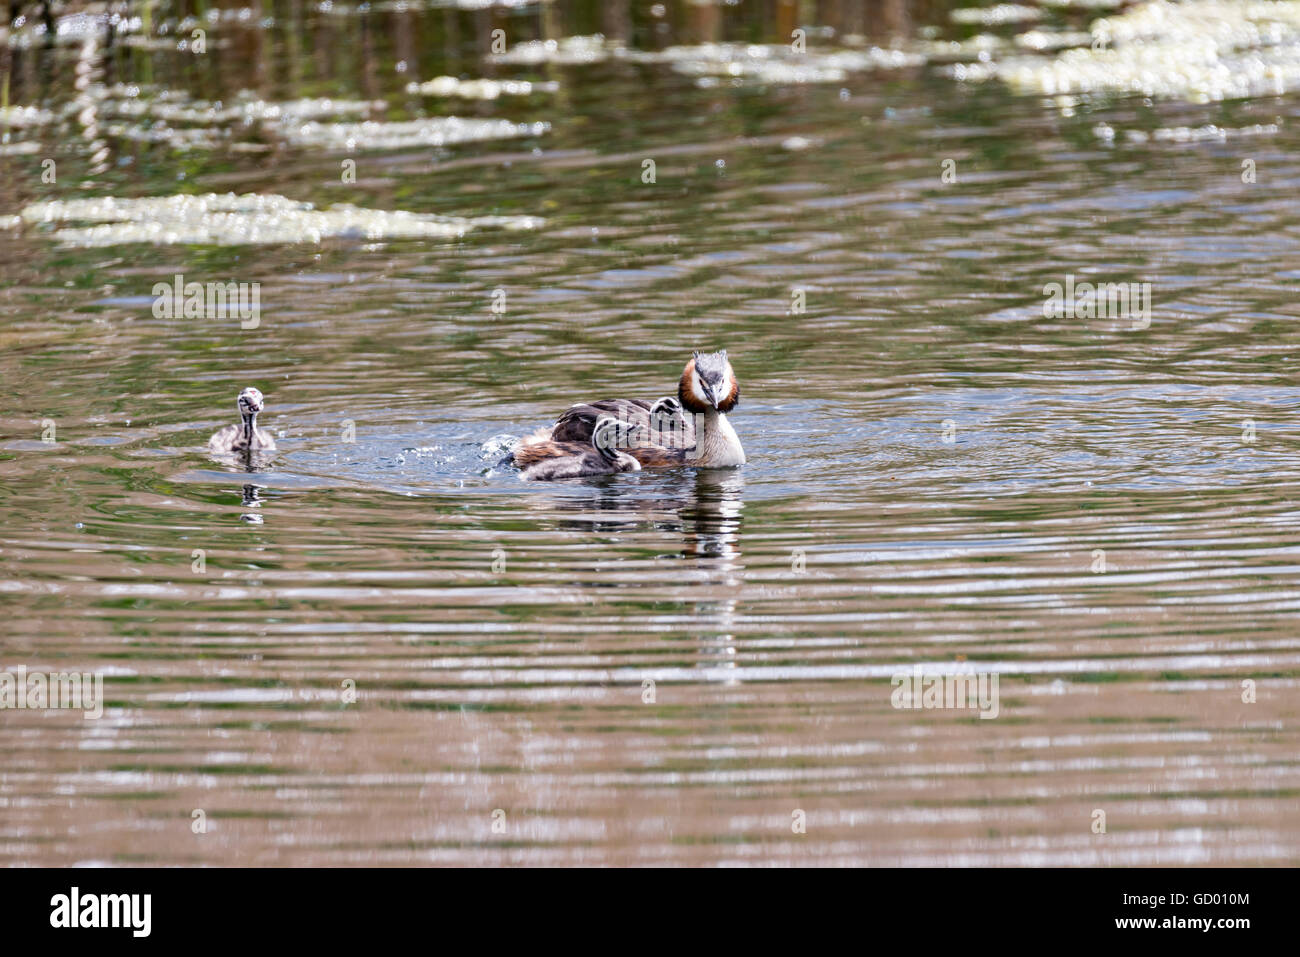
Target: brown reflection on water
659, 667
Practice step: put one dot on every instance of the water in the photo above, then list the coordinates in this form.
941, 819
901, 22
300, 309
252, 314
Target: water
1101, 513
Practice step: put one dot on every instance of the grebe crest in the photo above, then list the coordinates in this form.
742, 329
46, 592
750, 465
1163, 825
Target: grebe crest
246, 436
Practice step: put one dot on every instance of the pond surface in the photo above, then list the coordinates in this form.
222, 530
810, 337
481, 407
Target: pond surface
670, 667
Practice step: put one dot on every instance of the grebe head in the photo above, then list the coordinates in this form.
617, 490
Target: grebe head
607, 437
250, 402
668, 406
709, 383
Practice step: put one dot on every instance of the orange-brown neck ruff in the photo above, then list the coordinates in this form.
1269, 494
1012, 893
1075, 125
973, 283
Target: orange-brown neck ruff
686, 392
692, 402
729, 403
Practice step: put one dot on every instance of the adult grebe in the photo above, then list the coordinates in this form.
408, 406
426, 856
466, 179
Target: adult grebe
602, 457
664, 435
246, 436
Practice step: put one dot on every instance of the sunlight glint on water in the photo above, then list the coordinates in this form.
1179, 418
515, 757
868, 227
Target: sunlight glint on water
933, 465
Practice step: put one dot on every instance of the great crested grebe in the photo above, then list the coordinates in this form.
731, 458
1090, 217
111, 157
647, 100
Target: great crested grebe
602, 457
664, 435
245, 437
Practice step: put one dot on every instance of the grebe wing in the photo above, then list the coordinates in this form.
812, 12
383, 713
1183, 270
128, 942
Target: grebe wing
578, 422
224, 438
538, 448
663, 430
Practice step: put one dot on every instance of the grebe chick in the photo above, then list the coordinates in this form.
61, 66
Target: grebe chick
689, 430
245, 437
668, 406
604, 457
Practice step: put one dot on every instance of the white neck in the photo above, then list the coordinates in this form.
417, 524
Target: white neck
716, 443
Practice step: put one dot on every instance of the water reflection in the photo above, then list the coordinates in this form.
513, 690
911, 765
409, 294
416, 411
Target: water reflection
712, 536
934, 464
252, 499
711, 517
703, 506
